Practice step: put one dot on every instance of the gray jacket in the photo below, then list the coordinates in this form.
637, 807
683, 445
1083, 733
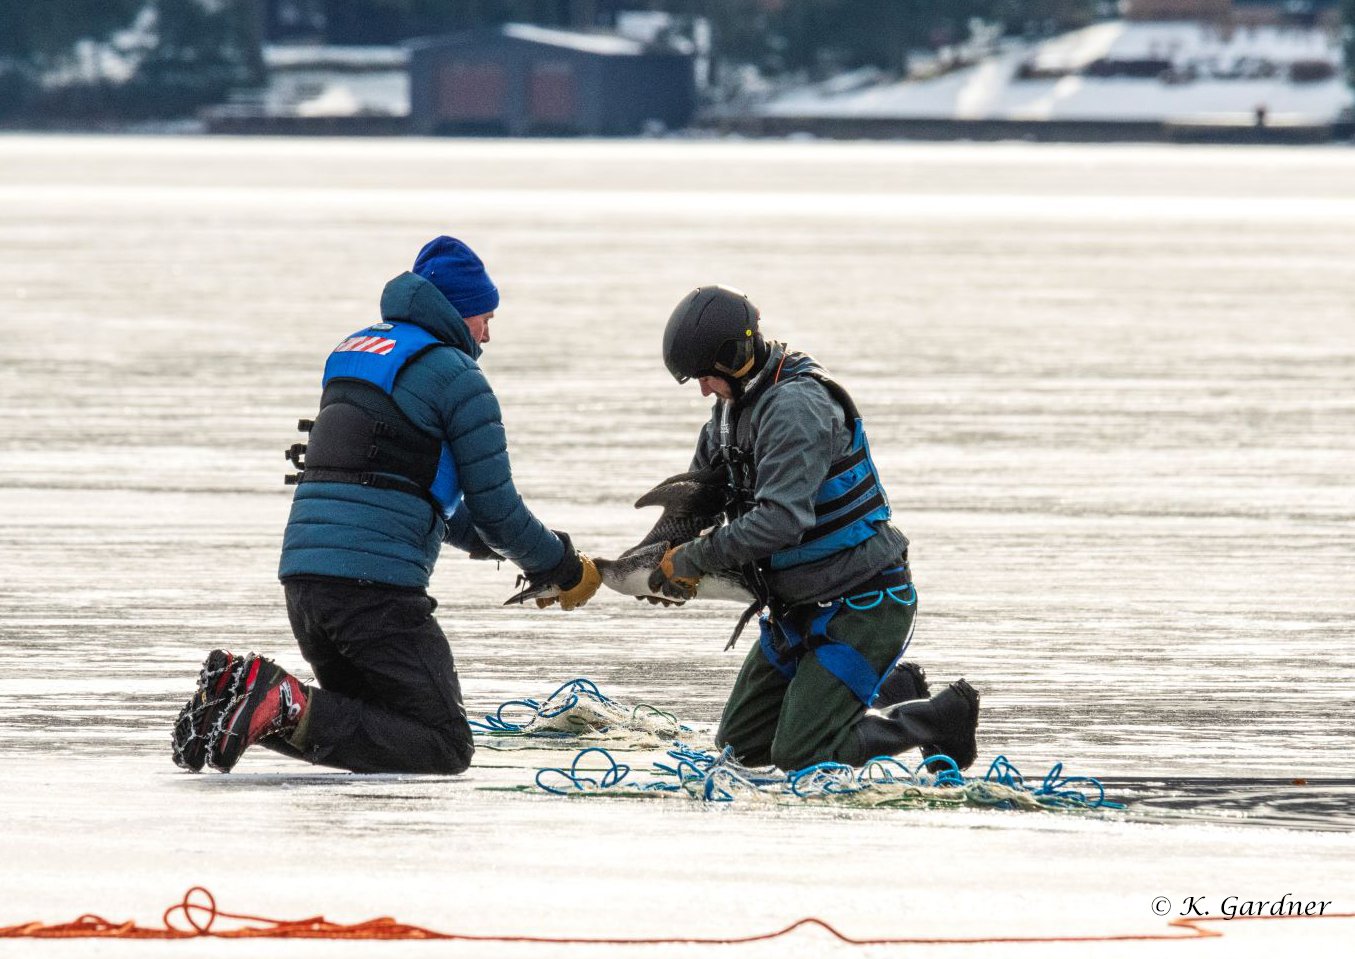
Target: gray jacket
795, 430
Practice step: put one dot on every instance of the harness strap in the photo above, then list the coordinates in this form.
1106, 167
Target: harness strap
803, 629
851, 667
843, 662
768, 643
374, 480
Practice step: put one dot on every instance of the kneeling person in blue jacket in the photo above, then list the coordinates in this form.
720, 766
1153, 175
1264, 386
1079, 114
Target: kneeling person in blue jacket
407, 452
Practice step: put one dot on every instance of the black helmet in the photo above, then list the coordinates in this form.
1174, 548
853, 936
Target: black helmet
712, 332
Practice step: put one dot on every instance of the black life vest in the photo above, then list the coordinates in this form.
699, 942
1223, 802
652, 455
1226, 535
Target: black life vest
362, 436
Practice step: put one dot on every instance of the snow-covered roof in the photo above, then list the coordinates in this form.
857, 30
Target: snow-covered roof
1182, 43
304, 56
599, 43
996, 89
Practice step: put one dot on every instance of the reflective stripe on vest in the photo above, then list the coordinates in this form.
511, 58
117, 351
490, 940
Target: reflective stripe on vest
376, 355
848, 504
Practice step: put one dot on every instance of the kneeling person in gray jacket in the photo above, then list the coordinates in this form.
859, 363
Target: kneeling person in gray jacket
808, 524
406, 452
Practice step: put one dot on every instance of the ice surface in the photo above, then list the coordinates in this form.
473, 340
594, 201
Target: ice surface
1108, 389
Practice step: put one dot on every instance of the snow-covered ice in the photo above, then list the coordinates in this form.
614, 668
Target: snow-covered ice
1107, 387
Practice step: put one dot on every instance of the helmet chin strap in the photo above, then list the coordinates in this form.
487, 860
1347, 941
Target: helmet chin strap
745, 384
757, 359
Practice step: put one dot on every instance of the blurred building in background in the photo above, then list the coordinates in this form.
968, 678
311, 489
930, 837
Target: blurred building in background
1198, 70
1236, 12
1245, 70
524, 80
314, 89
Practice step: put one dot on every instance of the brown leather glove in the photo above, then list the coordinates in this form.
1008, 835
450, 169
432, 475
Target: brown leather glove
581, 592
675, 577
575, 575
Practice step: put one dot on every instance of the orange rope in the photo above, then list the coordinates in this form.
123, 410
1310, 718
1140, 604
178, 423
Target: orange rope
201, 915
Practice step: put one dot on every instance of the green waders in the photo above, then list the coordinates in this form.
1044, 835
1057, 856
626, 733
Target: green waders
794, 721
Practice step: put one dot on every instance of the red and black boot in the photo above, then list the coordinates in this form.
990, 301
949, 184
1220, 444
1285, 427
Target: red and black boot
219, 682
271, 702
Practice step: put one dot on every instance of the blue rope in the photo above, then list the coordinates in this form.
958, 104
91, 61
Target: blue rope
578, 782
689, 763
497, 724
827, 779
886, 769
948, 775
1055, 787
719, 779
576, 689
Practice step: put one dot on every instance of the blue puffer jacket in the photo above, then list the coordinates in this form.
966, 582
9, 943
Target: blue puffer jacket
390, 536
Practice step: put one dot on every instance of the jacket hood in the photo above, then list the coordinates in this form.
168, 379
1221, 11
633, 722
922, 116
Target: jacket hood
410, 297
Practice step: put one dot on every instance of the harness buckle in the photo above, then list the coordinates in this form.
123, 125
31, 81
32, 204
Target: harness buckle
291, 479
305, 426
294, 453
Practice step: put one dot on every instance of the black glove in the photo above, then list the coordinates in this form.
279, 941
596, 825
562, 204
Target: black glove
566, 573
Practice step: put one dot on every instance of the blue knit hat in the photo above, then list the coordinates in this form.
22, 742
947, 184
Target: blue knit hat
457, 272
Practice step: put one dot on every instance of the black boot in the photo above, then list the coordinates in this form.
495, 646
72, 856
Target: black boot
905, 681
946, 723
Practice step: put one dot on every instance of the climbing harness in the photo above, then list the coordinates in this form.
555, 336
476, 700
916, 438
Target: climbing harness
789, 635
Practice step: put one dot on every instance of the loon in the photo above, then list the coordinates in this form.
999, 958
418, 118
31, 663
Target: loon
692, 502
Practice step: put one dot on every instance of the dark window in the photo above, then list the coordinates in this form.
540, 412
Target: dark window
471, 91
551, 99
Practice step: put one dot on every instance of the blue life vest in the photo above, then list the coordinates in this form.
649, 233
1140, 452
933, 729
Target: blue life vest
362, 436
851, 499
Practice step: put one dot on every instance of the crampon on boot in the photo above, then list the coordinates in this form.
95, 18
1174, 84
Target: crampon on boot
905, 681
272, 701
219, 682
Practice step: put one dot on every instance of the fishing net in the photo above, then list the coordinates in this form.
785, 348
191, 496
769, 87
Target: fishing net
883, 782
578, 712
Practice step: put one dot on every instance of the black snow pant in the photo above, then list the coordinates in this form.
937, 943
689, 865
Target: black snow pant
388, 699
